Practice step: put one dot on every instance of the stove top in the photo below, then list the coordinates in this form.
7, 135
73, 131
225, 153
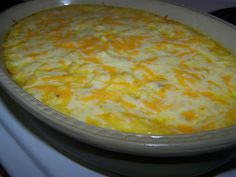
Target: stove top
227, 14
8, 4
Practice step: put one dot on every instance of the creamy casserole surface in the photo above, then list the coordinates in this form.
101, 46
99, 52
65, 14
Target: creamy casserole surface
123, 69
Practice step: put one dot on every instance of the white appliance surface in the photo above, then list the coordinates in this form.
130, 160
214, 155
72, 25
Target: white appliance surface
23, 154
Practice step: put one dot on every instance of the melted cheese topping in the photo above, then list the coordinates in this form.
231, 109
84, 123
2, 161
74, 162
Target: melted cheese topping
123, 69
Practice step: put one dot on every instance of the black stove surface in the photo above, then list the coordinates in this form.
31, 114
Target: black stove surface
6, 4
227, 14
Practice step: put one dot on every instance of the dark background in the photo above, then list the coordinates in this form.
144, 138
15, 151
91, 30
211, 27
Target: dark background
8, 3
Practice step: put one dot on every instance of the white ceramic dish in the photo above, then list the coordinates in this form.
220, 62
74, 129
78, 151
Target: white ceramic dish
149, 145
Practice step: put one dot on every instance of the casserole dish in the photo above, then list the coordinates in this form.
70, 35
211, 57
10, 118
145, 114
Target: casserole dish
149, 145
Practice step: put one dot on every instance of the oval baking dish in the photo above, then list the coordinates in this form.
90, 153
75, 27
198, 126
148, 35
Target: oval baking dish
150, 145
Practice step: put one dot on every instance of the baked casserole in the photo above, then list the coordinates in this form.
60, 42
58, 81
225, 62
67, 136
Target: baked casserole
124, 69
